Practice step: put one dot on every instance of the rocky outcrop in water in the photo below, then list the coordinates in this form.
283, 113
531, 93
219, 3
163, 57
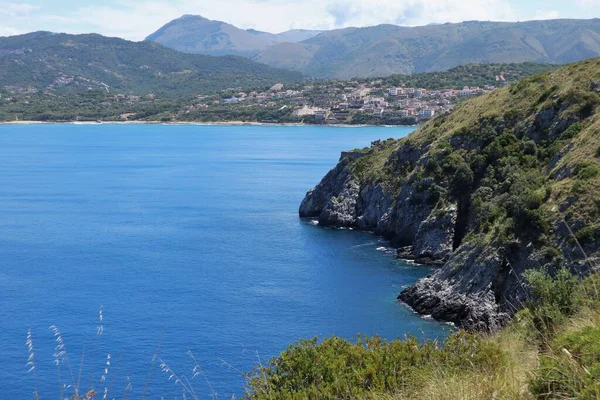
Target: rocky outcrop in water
409, 218
475, 287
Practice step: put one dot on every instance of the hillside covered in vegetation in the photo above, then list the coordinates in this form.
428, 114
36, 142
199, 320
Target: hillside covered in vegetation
469, 75
62, 63
506, 183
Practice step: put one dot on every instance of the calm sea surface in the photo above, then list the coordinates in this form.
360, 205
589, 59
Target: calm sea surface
189, 238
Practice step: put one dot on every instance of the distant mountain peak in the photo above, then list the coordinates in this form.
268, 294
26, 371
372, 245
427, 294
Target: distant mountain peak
197, 34
192, 16
256, 32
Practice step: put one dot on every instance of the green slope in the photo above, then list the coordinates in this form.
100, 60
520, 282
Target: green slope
468, 75
74, 63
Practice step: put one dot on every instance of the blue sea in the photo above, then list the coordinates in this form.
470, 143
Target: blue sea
188, 239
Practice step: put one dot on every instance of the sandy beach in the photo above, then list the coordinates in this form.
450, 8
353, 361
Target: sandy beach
228, 123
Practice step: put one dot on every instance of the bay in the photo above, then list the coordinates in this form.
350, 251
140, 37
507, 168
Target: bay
189, 239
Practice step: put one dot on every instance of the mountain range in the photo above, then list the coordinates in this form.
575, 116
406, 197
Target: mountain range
388, 49
74, 63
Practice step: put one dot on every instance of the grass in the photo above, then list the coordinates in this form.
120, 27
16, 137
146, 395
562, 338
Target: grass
508, 381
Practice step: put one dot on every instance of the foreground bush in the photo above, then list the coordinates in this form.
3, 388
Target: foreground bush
338, 369
553, 301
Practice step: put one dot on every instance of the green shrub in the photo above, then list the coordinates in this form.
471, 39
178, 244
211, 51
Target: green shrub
494, 151
535, 198
587, 105
572, 131
338, 369
586, 171
507, 139
535, 222
552, 253
547, 93
553, 300
529, 148
577, 187
451, 163
432, 167
479, 164
589, 291
571, 369
549, 150
462, 181
511, 115
586, 235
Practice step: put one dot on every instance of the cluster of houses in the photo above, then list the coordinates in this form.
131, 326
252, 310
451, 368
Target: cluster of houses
337, 102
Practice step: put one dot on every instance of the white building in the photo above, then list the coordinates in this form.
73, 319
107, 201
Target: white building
377, 102
466, 92
427, 113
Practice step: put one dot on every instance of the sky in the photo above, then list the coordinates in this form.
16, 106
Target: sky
136, 19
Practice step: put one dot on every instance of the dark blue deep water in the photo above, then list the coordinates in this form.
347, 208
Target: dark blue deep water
189, 238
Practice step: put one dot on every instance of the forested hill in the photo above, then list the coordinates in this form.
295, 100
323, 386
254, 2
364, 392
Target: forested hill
75, 63
469, 75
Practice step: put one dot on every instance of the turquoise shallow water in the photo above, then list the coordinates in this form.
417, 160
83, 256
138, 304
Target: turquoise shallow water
189, 238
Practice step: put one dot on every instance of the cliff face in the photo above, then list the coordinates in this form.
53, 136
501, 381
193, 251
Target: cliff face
505, 183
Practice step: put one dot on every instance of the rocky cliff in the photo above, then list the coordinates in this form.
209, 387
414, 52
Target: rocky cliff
503, 184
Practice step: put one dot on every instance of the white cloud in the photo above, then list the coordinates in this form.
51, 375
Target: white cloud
9, 31
419, 12
546, 15
16, 10
13, 16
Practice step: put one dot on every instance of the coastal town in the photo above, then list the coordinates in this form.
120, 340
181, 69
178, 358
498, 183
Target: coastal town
333, 103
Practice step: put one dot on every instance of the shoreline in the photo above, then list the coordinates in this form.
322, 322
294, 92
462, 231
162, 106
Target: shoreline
191, 123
